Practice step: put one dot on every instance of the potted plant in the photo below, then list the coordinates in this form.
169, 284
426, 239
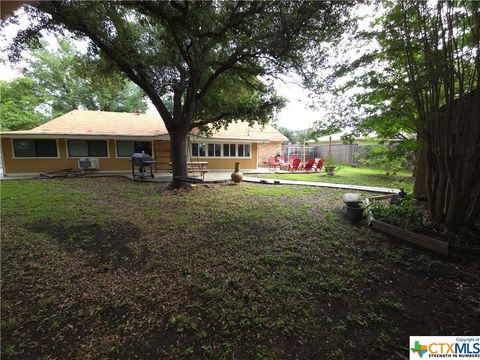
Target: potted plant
354, 212
330, 166
353, 207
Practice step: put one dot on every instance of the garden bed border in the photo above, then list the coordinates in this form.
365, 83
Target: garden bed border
438, 246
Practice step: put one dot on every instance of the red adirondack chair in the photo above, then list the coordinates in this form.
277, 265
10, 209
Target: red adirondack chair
295, 164
319, 165
272, 162
288, 165
283, 163
309, 165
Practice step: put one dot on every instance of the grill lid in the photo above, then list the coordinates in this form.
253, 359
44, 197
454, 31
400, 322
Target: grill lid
142, 158
141, 155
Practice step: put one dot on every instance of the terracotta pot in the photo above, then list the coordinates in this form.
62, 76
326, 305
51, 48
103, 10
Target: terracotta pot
237, 176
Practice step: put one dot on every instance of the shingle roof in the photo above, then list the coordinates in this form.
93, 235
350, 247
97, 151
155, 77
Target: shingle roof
241, 130
84, 122
104, 123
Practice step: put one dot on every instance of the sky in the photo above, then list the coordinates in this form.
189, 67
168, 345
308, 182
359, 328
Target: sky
296, 115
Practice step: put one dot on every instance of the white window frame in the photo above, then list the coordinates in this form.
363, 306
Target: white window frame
229, 156
250, 151
222, 156
198, 149
84, 157
34, 157
208, 151
128, 157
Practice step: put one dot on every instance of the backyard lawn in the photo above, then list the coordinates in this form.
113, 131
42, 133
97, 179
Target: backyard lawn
110, 268
354, 176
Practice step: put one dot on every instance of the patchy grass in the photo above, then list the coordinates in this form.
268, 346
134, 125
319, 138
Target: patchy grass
109, 268
353, 176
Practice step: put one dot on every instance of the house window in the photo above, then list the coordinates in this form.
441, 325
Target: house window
127, 148
202, 149
87, 148
229, 150
220, 150
243, 150
214, 150
35, 148
198, 149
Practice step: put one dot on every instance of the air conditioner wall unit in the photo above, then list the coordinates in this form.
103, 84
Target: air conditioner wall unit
88, 163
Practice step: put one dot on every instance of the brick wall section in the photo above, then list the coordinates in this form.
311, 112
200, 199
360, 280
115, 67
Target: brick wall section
265, 150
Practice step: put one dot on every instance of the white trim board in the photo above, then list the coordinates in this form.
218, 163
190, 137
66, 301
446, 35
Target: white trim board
321, 184
129, 136
196, 138
83, 137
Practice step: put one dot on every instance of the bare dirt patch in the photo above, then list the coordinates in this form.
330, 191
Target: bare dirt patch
102, 244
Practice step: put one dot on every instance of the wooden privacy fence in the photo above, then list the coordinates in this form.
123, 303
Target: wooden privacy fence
341, 153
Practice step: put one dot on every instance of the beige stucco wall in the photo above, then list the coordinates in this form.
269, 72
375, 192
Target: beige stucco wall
112, 163
32, 165
265, 150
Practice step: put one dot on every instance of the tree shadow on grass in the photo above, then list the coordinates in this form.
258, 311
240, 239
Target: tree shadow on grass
104, 246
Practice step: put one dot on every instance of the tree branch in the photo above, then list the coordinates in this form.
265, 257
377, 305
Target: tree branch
228, 64
137, 79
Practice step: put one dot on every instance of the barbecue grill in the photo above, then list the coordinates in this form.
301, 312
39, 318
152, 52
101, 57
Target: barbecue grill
142, 161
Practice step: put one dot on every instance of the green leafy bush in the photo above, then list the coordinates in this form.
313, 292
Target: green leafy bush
382, 156
405, 215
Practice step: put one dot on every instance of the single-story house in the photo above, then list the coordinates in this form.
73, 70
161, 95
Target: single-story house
110, 138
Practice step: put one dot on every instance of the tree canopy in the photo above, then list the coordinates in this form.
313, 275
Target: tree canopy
72, 80
19, 108
211, 60
436, 51
369, 93
441, 46
423, 78
55, 82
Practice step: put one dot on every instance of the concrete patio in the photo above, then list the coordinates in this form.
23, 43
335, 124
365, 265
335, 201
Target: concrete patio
160, 176
215, 176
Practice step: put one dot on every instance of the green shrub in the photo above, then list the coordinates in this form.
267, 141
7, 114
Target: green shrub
405, 215
382, 156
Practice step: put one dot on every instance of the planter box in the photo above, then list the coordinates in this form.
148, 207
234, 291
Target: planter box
438, 246
441, 247
427, 242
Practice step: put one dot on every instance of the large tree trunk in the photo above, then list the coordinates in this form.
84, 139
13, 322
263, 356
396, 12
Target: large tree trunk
420, 186
453, 164
178, 153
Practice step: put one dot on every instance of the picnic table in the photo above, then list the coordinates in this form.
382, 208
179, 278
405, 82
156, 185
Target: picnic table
193, 167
